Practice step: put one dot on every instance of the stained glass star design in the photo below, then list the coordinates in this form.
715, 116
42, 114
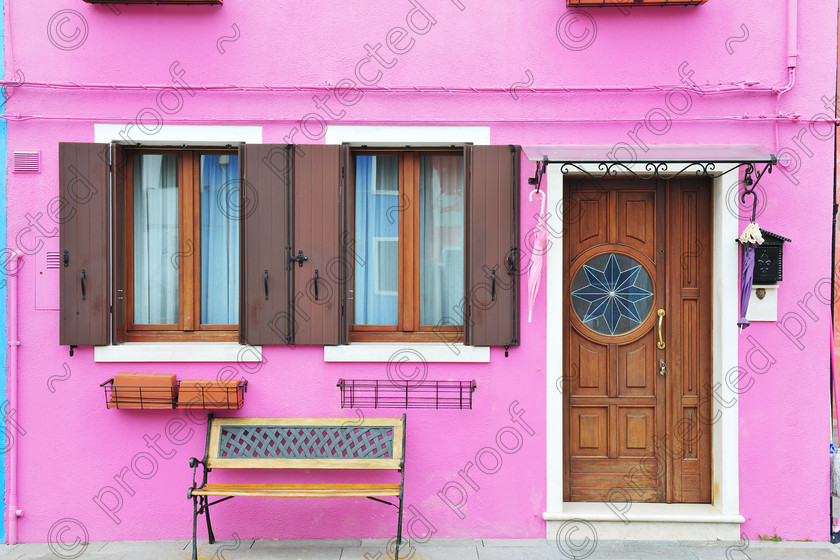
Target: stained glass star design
612, 293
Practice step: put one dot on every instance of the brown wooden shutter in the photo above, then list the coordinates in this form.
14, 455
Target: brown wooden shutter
264, 316
84, 236
119, 184
318, 305
492, 227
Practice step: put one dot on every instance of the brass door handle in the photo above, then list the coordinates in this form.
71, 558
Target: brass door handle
661, 343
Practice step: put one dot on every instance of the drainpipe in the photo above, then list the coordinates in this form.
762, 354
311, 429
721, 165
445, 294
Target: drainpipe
792, 57
13, 512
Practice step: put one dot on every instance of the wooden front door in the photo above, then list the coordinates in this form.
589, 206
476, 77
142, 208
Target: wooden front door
638, 255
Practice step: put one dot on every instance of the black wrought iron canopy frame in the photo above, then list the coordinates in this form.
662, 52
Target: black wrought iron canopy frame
658, 169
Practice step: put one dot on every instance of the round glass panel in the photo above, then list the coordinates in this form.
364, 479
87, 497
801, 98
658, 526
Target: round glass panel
612, 294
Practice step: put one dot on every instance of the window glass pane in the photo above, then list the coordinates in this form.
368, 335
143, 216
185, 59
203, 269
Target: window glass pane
220, 239
441, 239
155, 194
377, 230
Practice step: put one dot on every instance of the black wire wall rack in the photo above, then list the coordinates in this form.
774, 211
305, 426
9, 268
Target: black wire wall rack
389, 393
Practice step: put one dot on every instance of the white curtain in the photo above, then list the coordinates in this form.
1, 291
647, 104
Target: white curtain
155, 239
220, 239
442, 237
377, 229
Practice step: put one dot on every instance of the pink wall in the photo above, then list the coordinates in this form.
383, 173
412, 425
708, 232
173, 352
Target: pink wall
74, 446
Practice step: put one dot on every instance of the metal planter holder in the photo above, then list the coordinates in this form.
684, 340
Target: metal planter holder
375, 393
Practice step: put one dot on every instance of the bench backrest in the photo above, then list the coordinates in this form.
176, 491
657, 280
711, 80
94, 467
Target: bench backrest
305, 443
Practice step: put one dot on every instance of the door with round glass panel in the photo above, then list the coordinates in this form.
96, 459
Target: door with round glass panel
622, 280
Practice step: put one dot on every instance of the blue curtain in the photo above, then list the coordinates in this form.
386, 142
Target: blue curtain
155, 239
220, 239
377, 230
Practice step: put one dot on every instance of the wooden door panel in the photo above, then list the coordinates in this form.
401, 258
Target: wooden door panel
598, 480
588, 363
635, 220
589, 437
636, 431
689, 341
689, 357
618, 408
637, 368
590, 227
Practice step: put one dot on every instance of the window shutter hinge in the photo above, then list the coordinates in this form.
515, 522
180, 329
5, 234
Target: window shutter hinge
510, 261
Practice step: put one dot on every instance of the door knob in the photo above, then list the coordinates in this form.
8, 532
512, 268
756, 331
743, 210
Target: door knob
662, 369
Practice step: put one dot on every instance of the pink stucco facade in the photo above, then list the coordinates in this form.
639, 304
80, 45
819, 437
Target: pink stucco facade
73, 447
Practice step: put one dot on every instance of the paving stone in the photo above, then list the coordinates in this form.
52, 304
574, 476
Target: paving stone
736, 551
620, 550
450, 552
448, 542
141, 546
305, 543
286, 553
523, 553
523, 543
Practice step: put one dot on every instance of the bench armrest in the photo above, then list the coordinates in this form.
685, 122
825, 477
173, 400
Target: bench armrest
194, 464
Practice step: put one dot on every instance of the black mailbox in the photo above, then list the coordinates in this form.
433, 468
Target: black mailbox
768, 259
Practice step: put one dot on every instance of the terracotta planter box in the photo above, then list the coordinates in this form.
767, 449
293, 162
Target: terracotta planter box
143, 390
206, 393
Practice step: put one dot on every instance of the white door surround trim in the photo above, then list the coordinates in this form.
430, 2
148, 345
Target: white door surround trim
625, 519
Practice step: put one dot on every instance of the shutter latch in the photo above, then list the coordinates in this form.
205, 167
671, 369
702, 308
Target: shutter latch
300, 258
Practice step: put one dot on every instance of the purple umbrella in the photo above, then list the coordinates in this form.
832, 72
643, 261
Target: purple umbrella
747, 268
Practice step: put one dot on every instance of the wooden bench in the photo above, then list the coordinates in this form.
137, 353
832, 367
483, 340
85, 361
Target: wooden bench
300, 443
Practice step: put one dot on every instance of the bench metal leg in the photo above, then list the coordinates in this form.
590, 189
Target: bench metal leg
399, 529
210, 534
195, 522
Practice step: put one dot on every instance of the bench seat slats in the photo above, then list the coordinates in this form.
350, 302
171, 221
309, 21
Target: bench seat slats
299, 490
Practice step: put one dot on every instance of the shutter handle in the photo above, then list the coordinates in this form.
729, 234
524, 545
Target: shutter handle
83, 284
316, 284
493, 287
265, 280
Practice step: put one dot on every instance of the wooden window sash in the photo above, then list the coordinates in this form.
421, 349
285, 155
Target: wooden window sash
408, 327
189, 327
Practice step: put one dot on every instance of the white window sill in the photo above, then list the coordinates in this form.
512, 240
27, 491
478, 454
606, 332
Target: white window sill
178, 352
401, 352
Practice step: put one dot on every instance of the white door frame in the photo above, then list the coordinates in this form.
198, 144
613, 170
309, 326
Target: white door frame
622, 519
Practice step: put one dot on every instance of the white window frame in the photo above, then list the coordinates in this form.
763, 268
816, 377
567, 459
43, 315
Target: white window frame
196, 135
399, 137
